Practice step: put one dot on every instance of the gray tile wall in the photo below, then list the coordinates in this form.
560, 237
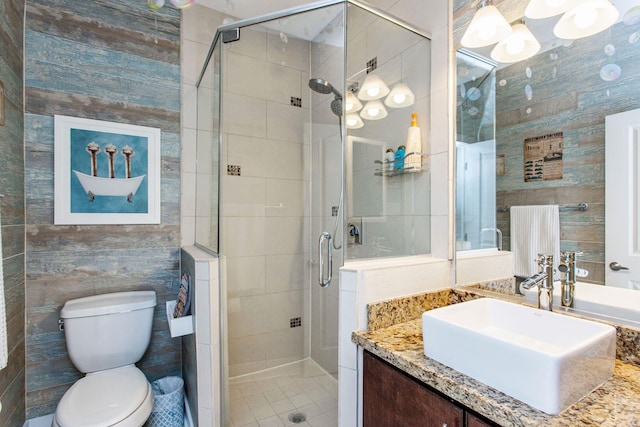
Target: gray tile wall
104, 60
12, 378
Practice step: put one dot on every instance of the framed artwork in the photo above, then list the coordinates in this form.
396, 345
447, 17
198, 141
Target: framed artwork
106, 172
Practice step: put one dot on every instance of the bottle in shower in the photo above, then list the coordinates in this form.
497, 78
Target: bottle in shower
389, 158
399, 157
414, 145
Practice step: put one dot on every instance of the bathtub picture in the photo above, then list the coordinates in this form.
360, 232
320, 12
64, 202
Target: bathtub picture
106, 173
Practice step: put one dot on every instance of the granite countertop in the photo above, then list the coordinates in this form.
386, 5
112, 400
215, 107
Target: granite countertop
615, 403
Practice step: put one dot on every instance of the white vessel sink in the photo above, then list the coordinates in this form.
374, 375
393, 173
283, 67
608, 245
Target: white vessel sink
544, 359
606, 300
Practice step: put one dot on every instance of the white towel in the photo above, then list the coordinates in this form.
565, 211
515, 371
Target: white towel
4, 351
534, 230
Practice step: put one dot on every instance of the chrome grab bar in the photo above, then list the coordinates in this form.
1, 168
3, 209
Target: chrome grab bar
324, 282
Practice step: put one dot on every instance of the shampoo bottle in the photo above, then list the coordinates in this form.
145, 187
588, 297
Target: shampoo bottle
414, 145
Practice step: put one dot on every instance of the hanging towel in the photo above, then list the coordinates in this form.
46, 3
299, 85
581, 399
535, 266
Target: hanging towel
4, 351
534, 230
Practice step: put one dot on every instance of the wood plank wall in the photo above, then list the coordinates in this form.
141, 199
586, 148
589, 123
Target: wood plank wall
12, 378
97, 59
570, 97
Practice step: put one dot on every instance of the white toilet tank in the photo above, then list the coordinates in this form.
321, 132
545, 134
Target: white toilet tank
108, 331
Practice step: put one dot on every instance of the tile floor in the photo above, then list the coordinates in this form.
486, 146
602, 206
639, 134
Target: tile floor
267, 398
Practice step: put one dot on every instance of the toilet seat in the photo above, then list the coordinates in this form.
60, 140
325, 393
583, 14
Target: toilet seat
120, 397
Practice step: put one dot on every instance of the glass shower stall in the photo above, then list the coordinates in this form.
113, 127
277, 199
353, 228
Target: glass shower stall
476, 161
292, 182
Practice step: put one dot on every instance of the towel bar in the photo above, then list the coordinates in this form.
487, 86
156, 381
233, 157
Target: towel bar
580, 207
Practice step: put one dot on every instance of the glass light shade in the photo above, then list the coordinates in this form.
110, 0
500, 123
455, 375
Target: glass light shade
540, 9
181, 4
352, 103
354, 121
400, 96
373, 110
372, 88
520, 44
155, 4
588, 18
487, 27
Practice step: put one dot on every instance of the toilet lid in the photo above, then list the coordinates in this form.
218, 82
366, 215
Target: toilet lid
103, 398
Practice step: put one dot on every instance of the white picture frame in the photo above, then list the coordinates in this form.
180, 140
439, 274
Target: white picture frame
105, 172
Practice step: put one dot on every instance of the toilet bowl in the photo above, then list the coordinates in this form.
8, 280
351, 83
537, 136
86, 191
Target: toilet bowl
105, 336
119, 397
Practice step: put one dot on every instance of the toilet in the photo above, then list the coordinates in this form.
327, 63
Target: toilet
105, 335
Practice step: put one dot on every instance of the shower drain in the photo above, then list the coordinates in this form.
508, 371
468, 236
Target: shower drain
297, 417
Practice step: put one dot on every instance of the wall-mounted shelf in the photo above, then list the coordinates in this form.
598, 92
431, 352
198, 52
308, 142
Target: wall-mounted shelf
178, 326
386, 170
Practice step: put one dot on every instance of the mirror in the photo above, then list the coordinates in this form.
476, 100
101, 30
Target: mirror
561, 95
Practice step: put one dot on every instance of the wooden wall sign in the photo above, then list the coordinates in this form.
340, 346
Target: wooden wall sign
543, 157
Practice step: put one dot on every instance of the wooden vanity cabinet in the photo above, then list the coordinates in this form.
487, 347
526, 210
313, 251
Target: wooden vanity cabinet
393, 399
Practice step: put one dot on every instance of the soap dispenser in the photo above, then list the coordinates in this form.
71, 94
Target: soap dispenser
414, 145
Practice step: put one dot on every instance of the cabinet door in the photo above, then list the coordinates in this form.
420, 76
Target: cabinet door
391, 399
473, 421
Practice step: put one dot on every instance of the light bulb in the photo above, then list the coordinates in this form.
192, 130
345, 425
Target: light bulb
585, 17
374, 110
487, 31
515, 45
372, 88
354, 121
399, 98
373, 91
555, 3
351, 103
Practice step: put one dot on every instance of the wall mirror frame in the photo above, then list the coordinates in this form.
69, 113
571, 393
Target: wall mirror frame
568, 88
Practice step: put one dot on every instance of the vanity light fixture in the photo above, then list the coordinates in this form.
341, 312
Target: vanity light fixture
487, 27
372, 88
587, 18
520, 44
354, 121
540, 9
373, 110
400, 96
352, 104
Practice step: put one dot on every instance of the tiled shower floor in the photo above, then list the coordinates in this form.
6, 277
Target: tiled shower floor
267, 398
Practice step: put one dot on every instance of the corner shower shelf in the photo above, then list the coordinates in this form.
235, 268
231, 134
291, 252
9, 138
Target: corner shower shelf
384, 169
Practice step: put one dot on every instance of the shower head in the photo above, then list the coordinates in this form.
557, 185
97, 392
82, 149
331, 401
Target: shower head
336, 106
322, 86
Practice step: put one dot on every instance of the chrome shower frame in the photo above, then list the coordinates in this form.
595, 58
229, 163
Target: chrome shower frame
231, 32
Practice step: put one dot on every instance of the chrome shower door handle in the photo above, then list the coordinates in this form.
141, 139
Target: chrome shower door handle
322, 280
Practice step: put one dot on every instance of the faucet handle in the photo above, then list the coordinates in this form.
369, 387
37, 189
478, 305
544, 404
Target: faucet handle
544, 260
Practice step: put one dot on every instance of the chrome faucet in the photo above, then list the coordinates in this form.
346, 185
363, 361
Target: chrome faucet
544, 281
567, 267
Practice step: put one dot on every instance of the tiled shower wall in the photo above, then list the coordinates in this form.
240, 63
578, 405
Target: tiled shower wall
264, 207
12, 377
395, 210
105, 60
